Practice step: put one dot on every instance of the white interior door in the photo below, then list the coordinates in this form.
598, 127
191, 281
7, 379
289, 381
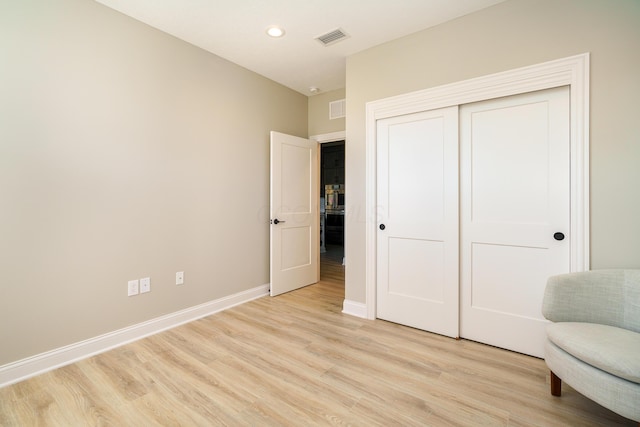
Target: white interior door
417, 193
295, 221
515, 196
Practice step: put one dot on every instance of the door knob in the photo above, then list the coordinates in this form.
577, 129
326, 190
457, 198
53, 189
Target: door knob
277, 221
558, 236
382, 227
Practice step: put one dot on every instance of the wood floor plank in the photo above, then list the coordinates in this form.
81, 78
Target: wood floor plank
296, 359
86, 400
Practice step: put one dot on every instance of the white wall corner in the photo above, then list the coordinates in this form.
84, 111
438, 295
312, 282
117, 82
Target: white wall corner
26, 368
354, 308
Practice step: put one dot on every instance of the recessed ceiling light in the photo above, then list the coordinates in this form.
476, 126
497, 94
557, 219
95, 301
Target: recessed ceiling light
275, 31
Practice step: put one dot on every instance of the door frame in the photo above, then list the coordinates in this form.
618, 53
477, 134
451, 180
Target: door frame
329, 137
333, 137
572, 71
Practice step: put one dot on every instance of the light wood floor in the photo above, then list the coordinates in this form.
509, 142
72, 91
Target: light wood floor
296, 360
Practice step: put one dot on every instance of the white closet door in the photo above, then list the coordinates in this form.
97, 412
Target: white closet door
515, 196
417, 252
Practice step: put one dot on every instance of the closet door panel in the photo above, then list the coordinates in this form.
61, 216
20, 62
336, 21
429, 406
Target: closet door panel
515, 195
417, 241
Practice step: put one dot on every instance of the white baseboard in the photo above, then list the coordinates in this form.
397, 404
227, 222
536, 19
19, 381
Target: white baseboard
353, 308
22, 369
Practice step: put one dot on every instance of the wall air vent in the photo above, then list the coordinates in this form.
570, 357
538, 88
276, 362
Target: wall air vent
332, 37
337, 109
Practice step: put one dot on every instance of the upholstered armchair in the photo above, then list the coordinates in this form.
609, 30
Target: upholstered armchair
593, 343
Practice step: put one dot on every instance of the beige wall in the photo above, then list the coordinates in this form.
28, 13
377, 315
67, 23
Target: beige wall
124, 153
510, 35
319, 122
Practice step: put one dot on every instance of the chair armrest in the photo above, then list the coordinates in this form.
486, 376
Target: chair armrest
596, 296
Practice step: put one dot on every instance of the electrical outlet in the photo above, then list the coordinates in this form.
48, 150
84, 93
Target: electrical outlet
145, 285
180, 278
133, 288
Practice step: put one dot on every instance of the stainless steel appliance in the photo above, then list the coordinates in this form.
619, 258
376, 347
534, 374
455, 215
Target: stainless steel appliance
334, 213
334, 196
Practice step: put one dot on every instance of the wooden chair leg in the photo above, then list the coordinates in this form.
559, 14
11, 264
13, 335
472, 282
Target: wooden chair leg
556, 385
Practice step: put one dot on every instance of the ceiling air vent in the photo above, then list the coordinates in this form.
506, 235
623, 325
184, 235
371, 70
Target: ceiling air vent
332, 37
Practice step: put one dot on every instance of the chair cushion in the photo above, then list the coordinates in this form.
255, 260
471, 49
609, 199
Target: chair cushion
613, 350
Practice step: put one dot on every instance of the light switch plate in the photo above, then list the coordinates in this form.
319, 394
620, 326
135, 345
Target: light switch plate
133, 288
180, 278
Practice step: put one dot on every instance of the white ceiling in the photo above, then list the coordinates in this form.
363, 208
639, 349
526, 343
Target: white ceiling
235, 30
